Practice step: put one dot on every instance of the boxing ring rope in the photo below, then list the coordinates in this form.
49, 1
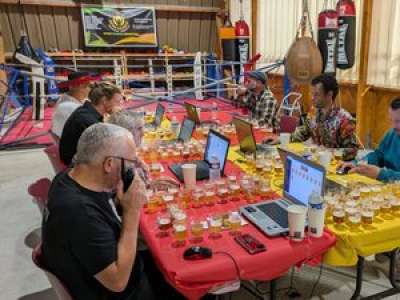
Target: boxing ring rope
208, 88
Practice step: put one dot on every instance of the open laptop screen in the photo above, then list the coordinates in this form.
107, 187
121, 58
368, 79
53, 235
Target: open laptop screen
245, 136
192, 113
217, 145
186, 131
302, 177
159, 115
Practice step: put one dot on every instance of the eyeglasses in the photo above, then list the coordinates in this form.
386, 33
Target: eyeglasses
135, 162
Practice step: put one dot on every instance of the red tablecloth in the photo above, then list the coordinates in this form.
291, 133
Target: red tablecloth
195, 278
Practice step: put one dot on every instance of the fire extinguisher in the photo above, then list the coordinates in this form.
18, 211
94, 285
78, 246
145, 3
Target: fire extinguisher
327, 39
346, 44
242, 33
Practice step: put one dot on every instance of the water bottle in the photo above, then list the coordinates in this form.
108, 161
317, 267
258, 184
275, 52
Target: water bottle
214, 110
315, 201
316, 215
215, 169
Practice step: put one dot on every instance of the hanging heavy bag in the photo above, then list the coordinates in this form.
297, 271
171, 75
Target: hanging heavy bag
242, 32
327, 39
346, 44
303, 60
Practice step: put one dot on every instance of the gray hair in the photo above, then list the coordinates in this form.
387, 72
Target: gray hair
126, 119
98, 141
129, 120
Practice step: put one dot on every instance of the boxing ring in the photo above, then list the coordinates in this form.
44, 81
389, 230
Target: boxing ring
19, 129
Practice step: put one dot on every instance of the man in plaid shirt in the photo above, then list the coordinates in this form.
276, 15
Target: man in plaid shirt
259, 100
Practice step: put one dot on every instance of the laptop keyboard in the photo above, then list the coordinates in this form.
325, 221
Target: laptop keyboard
276, 213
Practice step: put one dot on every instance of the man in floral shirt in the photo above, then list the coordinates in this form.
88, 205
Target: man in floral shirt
259, 100
332, 127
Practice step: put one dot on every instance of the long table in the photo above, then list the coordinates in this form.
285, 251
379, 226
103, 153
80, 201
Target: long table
352, 246
195, 278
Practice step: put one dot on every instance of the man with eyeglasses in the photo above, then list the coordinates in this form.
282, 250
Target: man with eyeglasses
104, 98
86, 244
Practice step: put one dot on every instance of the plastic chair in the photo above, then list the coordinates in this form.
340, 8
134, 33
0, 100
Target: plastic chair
288, 124
39, 191
58, 287
54, 157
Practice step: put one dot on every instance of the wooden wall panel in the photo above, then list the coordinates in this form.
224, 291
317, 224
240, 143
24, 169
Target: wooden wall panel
380, 116
162, 28
32, 22
61, 27
194, 29
348, 98
183, 25
5, 27
173, 20
16, 24
48, 27
75, 28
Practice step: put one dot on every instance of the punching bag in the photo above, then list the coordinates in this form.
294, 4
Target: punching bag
327, 37
242, 33
303, 60
346, 44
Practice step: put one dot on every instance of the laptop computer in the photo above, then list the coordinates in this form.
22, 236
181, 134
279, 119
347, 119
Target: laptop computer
158, 116
185, 133
192, 114
244, 132
330, 185
302, 177
217, 145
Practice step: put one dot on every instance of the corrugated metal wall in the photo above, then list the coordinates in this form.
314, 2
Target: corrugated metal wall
61, 27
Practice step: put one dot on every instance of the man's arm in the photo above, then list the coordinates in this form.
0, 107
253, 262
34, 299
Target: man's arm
348, 140
301, 134
268, 111
376, 157
388, 175
115, 277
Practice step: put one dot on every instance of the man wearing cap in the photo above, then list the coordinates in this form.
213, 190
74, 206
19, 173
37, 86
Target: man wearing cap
260, 101
78, 86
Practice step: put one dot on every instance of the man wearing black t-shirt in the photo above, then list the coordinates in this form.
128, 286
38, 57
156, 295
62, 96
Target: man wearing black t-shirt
103, 99
85, 243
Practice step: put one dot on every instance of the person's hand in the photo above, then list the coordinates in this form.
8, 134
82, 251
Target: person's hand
142, 165
163, 183
346, 164
241, 91
271, 140
370, 171
135, 197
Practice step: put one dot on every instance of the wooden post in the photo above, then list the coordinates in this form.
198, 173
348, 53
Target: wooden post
363, 108
254, 22
219, 23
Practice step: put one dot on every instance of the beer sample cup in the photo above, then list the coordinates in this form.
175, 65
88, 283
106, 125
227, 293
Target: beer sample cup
284, 139
189, 175
325, 158
316, 218
297, 221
